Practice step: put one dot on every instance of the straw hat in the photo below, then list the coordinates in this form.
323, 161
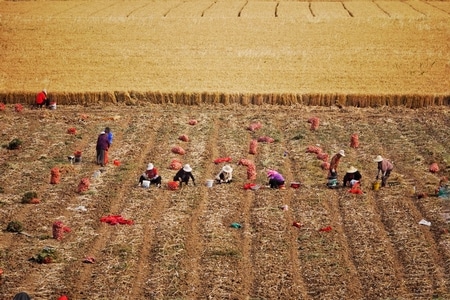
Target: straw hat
227, 169
45, 91
341, 152
149, 167
378, 158
187, 168
352, 169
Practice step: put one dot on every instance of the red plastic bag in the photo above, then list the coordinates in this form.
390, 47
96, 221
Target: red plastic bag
434, 168
183, 138
314, 123
55, 176
178, 150
254, 126
222, 159
354, 141
326, 229
253, 147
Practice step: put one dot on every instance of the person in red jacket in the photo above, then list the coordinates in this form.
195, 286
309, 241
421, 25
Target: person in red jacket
151, 174
42, 99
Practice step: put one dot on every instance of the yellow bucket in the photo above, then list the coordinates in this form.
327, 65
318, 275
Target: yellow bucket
376, 185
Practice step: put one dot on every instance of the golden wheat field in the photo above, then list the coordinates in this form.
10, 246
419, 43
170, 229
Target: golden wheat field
146, 69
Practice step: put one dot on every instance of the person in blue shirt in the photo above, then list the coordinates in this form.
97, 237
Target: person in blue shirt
109, 134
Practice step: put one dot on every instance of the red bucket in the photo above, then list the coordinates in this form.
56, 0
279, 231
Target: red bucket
116, 162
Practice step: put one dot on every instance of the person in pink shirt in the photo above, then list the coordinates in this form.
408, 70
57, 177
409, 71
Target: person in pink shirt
385, 168
276, 180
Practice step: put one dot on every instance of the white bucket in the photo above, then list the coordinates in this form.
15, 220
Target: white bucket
52, 105
145, 183
209, 183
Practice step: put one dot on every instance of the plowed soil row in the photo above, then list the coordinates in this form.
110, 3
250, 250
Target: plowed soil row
181, 244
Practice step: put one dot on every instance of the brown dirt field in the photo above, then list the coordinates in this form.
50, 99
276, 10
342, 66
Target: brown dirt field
181, 245
145, 68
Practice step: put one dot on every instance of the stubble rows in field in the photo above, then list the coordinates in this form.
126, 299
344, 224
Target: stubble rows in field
181, 244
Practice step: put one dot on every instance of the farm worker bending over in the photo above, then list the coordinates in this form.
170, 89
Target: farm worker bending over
276, 180
352, 176
41, 99
225, 175
152, 175
102, 147
335, 163
184, 174
385, 168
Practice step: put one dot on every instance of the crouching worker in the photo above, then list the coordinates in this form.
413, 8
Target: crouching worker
352, 176
42, 99
184, 174
276, 180
151, 174
225, 175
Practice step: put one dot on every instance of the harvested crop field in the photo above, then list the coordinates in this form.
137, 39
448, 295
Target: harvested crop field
181, 245
306, 75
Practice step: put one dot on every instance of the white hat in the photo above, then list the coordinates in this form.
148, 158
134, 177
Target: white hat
341, 152
352, 169
227, 169
150, 166
187, 168
103, 132
45, 91
378, 158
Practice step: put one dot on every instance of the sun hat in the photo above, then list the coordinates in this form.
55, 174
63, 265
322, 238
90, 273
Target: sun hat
187, 168
149, 167
341, 152
378, 158
227, 169
352, 169
45, 91
103, 132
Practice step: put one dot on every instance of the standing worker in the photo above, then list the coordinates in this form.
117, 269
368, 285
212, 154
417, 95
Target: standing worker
385, 168
110, 139
102, 147
42, 99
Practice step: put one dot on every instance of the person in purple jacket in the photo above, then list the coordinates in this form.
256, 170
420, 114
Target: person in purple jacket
102, 146
276, 180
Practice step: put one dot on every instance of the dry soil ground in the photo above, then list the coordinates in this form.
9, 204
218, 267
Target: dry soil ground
181, 245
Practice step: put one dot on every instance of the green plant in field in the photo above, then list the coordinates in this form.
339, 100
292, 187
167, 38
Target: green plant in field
14, 226
14, 144
46, 255
28, 196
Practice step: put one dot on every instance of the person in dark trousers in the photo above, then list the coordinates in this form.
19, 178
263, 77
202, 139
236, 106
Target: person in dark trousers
352, 176
184, 174
276, 180
22, 296
151, 174
102, 146
384, 168
42, 99
225, 175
